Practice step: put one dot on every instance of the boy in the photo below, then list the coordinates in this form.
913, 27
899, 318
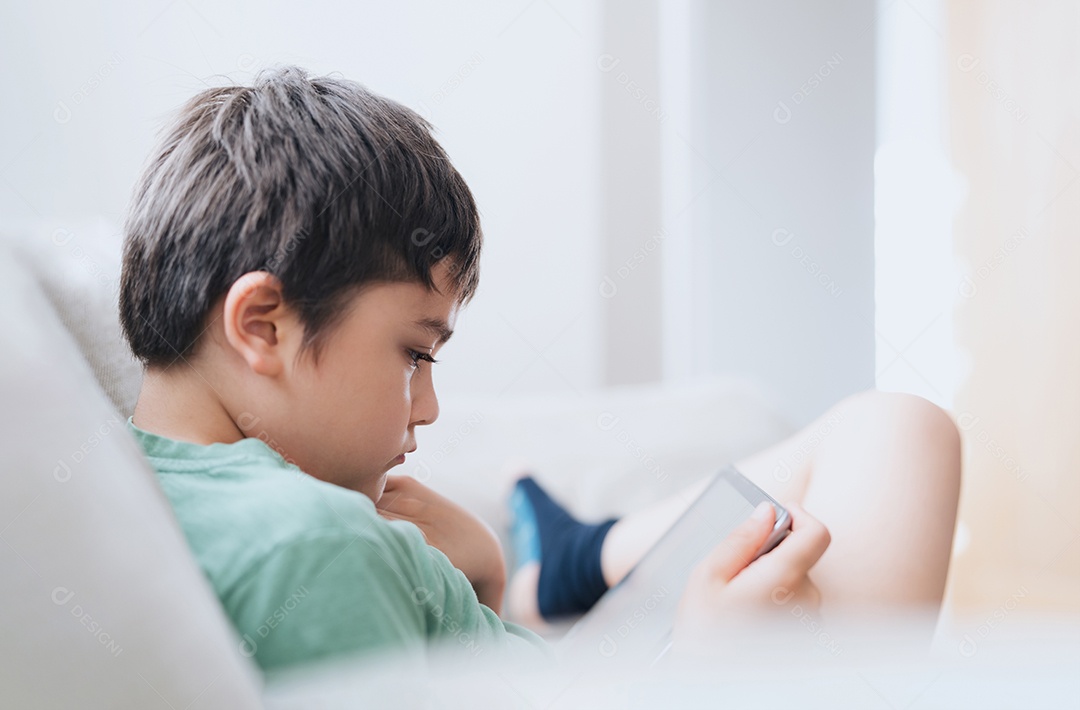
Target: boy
296, 253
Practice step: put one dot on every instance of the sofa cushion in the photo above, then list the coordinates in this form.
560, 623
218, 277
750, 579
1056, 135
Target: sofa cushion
101, 603
76, 263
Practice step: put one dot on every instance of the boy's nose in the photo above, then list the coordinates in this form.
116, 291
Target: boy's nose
425, 404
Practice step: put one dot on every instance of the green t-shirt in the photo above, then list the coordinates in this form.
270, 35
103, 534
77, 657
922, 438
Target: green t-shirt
307, 570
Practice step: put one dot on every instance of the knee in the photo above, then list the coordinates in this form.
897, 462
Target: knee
913, 418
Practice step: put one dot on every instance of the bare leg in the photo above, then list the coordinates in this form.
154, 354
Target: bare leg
880, 470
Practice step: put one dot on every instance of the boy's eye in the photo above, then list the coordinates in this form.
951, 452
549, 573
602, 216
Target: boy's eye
416, 356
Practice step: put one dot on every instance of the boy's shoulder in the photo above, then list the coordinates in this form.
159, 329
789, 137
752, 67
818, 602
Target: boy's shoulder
239, 502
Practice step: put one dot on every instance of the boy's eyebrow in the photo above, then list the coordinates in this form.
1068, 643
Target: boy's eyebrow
437, 327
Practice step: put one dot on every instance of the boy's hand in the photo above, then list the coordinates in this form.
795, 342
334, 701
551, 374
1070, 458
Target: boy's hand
727, 592
469, 543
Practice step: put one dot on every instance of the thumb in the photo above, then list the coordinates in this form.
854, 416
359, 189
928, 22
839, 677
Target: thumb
732, 554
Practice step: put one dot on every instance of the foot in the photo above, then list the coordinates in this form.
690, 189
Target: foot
557, 558
521, 604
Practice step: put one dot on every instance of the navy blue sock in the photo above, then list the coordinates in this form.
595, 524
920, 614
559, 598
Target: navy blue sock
568, 551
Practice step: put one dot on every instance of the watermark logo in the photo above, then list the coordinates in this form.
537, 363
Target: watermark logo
969, 644
422, 596
248, 645
246, 62
782, 237
608, 645
783, 112
607, 421
782, 595
61, 596
65, 239
783, 472
966, 421
63, 470
608, 286
607, 63
968, 63
422, 237
63, 112
248, 422
969, 286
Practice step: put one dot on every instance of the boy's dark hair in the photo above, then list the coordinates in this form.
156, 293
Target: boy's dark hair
314, 179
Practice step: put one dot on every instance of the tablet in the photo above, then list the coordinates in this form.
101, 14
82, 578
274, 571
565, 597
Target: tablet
631, 623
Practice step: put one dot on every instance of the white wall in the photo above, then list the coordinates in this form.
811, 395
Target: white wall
511, 91
779, 204
673, 162
918, 280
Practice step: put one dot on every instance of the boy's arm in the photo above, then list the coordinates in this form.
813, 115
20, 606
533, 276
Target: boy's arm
469, 543
324, 595
378, 589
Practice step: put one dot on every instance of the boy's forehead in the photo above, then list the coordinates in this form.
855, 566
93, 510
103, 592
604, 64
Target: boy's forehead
432, 311
436, 326
437, 309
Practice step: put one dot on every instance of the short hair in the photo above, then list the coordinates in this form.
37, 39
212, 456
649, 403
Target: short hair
316, 180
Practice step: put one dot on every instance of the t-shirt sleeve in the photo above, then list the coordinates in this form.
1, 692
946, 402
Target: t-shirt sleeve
337, 592
455, 617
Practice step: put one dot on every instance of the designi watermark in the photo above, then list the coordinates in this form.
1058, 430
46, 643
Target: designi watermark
608, 421
609, 646
782, 237
248, 645
62, 595
607, 63
63, 111
782, 113
608, 286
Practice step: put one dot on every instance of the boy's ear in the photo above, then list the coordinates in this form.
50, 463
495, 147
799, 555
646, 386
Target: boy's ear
258, 324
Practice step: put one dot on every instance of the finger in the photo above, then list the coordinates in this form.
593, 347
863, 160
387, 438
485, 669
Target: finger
735, 552
804, 546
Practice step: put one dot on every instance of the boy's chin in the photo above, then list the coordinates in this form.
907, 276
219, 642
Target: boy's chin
374, 489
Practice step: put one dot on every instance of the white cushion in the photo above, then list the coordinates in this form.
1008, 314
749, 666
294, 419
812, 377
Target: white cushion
101, 602
77, 266
602, 453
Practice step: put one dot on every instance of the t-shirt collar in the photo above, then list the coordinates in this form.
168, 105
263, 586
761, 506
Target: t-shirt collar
174, 455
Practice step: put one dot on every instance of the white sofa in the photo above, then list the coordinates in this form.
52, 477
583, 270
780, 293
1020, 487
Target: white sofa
103, 606
101, 603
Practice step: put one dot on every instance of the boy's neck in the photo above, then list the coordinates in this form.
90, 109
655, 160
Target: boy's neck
180, 404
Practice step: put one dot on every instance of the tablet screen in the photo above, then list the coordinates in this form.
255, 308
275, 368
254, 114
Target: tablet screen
632, 622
